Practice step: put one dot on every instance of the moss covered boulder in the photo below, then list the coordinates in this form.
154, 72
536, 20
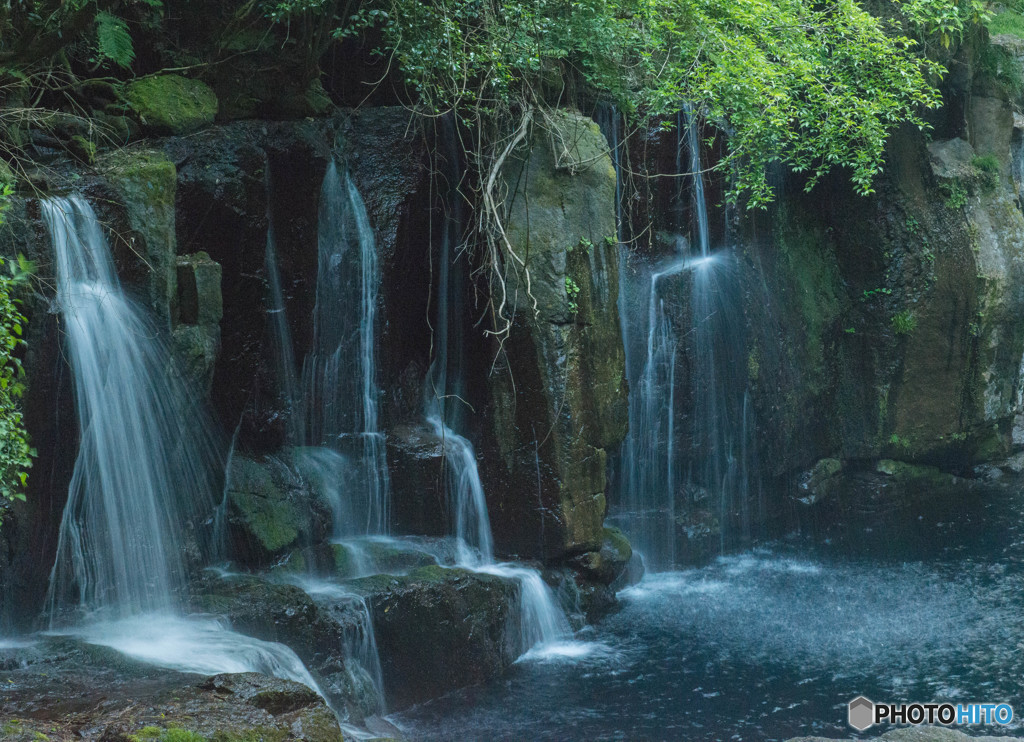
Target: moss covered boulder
321, 628
172, 104
271, 511
558, 385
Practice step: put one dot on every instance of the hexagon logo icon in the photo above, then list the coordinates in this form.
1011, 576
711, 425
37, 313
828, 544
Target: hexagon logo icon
861, 713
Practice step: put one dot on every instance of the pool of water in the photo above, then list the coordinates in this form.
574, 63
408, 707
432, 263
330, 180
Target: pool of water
923, 605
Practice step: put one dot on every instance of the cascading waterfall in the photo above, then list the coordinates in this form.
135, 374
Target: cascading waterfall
667, 468
144, 472
339, 373
146, 459
341, 449
334, 411
541, 620
359, 637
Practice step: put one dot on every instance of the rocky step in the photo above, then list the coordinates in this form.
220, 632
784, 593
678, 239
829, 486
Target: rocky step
60, 689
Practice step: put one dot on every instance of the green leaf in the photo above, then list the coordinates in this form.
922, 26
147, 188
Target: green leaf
113, 42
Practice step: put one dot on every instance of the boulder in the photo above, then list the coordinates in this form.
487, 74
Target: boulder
439, 629
271, 510
60, 689
171, 104
323, 631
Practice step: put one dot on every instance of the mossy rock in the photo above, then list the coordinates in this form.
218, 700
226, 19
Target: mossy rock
262, 509
146, 182
172, 104
565, 354
82, 148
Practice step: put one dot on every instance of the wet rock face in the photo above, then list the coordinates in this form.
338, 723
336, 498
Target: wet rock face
558, 391
888, 326
439, 629
419, 502
200, 307
234, 179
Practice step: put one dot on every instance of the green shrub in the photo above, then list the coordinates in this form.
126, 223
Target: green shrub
15, 452
1009, 22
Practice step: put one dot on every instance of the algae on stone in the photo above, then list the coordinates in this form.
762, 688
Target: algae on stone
172, 104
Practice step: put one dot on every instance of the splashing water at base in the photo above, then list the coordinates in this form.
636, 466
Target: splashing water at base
359, 637
541, 621
205, 646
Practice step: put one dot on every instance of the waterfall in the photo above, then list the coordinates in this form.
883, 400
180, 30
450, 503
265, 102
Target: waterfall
541, 620
284, 354
146, 458
334, 411
339, 372
445, 390
678, 351
700, 206
340, 448
358, 636
144, 472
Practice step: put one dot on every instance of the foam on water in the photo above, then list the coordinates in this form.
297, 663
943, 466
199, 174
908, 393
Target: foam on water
567, 651
205, 646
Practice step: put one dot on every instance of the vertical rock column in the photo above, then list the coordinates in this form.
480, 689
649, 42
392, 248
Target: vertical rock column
558, 388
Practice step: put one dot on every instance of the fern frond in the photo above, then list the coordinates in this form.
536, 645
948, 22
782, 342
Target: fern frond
113, 41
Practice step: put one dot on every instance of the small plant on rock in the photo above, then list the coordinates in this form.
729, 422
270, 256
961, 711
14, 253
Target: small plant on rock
904, 323
572, 290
